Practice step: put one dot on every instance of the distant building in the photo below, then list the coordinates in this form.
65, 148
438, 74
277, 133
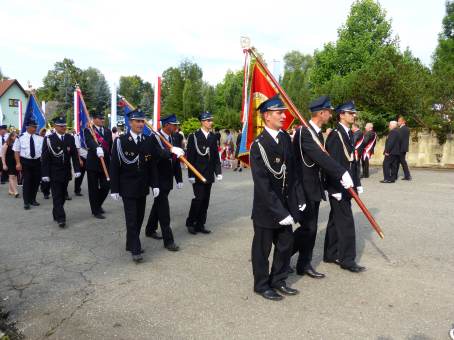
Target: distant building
11, 92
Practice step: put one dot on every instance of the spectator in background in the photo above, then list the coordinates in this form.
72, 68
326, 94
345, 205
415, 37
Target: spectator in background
115, 133
217, 134
370, 139
237, 151
392, 153
9, 163
404, 133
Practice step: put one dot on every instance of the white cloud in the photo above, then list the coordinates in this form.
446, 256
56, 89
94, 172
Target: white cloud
144, 37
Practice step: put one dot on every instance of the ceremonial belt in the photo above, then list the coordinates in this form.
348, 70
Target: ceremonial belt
203, 154
56, 154
368, 148
101, 140
357, 145
122, 157
347, 155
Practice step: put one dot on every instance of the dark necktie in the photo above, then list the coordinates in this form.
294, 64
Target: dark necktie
350, 136
3, 140
170, 140
32, 147
320, 136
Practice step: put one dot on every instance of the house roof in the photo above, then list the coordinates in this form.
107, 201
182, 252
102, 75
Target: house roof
6, 84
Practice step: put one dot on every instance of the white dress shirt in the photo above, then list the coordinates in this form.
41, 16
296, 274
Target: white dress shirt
82, 152
205, 133
22, 145
273, 133
316, 128
345, 128
135, 136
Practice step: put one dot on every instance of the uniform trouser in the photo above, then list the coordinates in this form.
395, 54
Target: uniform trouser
31, 170
58, 198
389, 168
365, 164
98, 189
340, 243
305, 235
199, 205
264, 238
4, 174
160, 212
78, 181
404, 164
134, 213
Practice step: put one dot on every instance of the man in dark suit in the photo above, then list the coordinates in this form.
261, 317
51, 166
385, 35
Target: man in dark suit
168, 169
133, 171
59, 149
392, 154
311, 165
202, 153
101, 146
340, 242
404, 133
278, 201
370, 139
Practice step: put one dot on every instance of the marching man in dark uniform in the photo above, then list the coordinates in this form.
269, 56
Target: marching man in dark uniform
278, 200
59, 149
27, 148
340, 242
168, 168
370, 138
98, 186
311, 164
392, 154
202, 153
133, 170
404, 134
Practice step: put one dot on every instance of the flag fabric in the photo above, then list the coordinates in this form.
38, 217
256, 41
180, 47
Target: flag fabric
80, 117
157, 105
122, 103
33, 111
257, 87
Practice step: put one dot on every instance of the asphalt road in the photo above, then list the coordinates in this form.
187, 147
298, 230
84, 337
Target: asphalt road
79, 283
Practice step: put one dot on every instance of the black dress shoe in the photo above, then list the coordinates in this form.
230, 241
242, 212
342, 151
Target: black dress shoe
172, 247
62, 224
191, 230
290, 270
99, 216
137, 258
27, 206
271, 294
141, 250
46, 197
406, 179
102, 211
286, 290
311, 272
203, 230
35, 204
78, 194
68, 198
154, 235
354, 268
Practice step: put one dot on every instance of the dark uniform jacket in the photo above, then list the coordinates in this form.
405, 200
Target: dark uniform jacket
168, 168
56, 167
312, 163
133, 180
274, 199
208, 165
93, 162
335, 148
404, 133
392, 145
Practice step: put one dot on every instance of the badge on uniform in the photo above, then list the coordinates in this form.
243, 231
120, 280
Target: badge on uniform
130, 138
278, 160
147, 157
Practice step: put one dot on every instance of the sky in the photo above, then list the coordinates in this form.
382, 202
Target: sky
144, 38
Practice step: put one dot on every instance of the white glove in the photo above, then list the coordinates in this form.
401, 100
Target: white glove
45, 179
77, 174
155, 192
99, 152
177, 151
191, 180
115, 196
180, 185
360, 190
302, 207
346, 180
287, 221
219, 177
337, 196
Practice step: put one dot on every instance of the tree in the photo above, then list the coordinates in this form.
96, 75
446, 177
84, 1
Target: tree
208, 95
228, 99
365, 32
172, 91
297, 68
2, 76
96, 90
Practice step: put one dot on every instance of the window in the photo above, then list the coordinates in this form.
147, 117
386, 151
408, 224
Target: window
14, 103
